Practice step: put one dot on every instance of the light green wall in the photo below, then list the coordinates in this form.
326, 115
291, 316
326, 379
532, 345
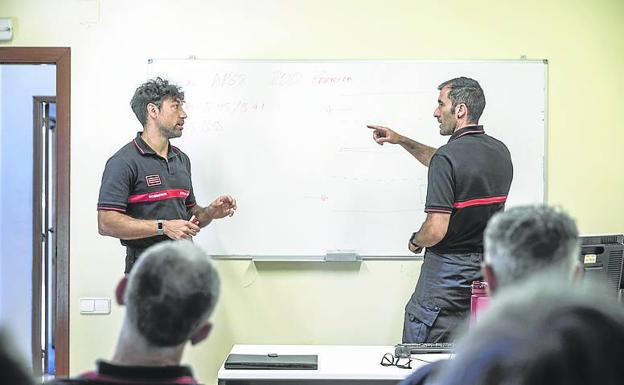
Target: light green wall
301, 303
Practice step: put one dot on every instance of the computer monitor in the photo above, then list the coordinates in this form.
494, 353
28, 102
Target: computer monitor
602, 257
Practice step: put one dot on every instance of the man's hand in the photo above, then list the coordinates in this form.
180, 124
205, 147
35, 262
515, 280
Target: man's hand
414, 248
221, 207
383, 134
177, 229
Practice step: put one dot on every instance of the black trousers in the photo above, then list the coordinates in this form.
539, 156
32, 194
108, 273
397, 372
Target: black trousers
132, 254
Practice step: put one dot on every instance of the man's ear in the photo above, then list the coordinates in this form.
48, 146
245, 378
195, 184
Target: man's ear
460, 111
152, 110
490, 278
121, 290
200, 334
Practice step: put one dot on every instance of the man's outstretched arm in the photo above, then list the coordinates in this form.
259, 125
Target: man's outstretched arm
418, 150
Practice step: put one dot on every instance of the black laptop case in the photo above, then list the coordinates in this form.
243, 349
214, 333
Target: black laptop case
271, 361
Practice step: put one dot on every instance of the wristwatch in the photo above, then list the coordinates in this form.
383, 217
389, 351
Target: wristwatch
161, 229
411, 241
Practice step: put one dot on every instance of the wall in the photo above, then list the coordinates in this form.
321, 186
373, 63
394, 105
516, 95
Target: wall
19, 84
286, 303
1, 111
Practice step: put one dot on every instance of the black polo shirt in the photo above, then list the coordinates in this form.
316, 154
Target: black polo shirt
143, 185
469, 178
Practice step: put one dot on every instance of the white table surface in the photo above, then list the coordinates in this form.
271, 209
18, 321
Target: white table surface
338, 362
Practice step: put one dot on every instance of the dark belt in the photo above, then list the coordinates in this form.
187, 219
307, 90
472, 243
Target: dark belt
132, 254
474, 250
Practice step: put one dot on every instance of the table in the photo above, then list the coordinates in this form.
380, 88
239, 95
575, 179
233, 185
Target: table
337, 364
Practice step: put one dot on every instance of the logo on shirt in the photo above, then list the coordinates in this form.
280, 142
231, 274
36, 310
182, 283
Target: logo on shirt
153, 180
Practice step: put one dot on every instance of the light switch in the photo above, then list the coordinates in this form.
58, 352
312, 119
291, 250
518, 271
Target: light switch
102, 306
6, 29
87, 305
95, 305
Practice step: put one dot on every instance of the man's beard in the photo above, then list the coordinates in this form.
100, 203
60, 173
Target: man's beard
170, 133
448, 124
446, 129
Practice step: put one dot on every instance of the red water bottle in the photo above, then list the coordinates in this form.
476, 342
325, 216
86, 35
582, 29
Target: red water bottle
479, 300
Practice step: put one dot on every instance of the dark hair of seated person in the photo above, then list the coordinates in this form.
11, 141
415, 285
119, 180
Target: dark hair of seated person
12, 370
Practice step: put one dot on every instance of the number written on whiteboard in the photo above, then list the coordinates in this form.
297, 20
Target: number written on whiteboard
233, 106
285, 79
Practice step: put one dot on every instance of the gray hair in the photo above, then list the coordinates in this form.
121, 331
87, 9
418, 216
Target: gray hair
469, 92
171, 291
527, 239
153, 91
544, 331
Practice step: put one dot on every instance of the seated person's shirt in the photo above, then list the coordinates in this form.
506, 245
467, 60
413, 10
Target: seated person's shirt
107, 373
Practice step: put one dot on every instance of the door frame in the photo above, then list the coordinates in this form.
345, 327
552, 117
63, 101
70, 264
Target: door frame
38, 236
61, 58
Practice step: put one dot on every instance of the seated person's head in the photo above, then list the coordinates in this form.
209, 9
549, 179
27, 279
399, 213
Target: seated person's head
12, 369
524, 240
170, 294
553, 332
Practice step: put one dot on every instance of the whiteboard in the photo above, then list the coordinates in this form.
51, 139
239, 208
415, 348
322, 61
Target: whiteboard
288, 140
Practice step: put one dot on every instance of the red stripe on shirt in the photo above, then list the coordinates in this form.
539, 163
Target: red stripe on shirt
470, 132
159, 196
439, 211
138, 147
480, 202
109, 208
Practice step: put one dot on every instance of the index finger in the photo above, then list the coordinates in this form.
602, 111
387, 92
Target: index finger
229, 200
226, 199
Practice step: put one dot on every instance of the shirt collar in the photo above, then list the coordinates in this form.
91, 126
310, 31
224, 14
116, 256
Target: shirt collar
468, 130
184, 374
145, 149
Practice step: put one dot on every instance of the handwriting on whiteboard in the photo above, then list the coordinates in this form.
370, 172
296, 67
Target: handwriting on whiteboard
228, 79
233, 106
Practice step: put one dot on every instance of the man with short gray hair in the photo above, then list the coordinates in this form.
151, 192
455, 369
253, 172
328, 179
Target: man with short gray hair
525, 240
546, 330
169, 296
521, 243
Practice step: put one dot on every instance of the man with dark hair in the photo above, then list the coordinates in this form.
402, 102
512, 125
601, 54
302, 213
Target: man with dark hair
469, 179
169, 297
146, 195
